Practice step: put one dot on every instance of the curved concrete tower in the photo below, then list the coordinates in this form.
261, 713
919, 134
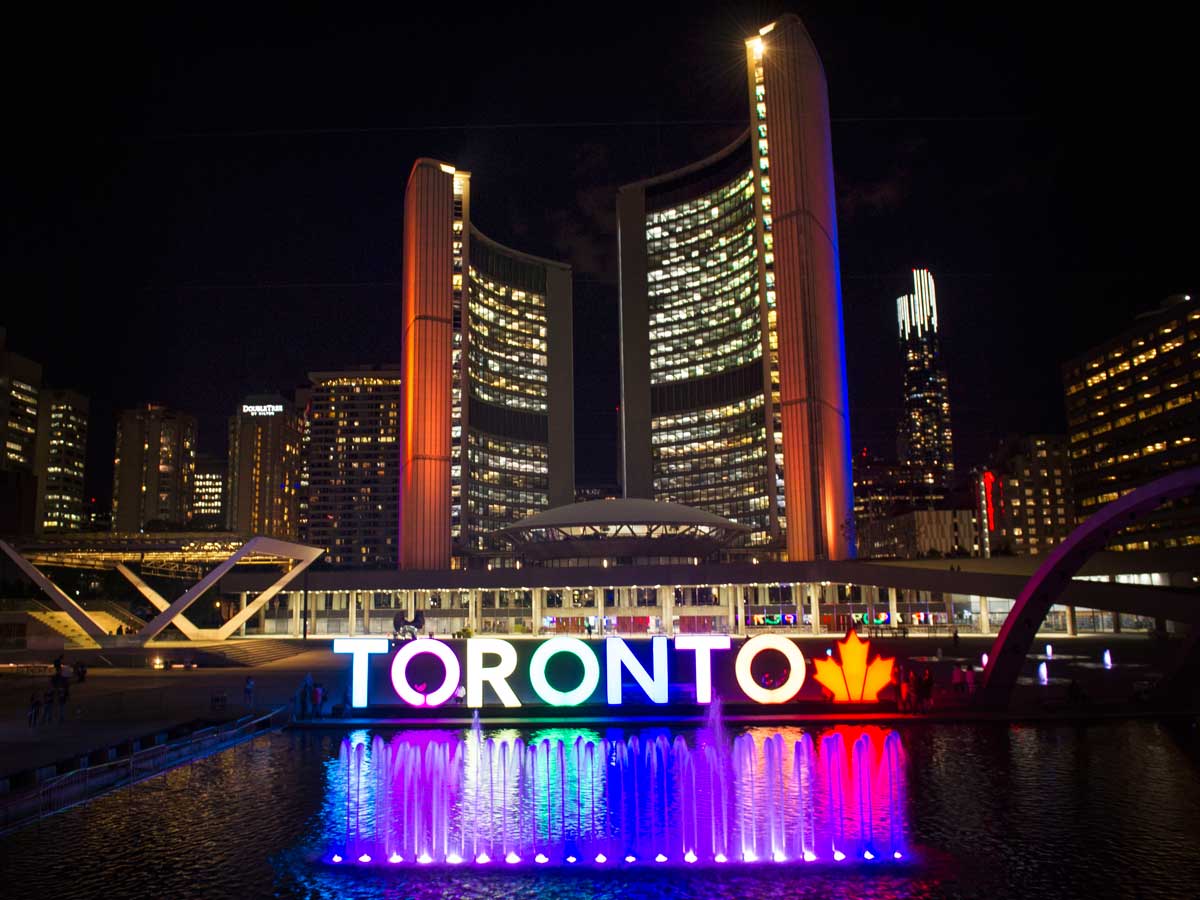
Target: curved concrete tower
733, 374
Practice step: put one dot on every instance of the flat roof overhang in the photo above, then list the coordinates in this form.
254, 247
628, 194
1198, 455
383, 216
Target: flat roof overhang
1173, 603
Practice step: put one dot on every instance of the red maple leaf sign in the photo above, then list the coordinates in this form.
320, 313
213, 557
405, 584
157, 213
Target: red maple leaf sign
852, 680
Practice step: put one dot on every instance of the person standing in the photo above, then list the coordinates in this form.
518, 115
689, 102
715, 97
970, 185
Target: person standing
248, 691
926, 692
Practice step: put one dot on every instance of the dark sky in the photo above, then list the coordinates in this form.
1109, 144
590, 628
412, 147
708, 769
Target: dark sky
200, 205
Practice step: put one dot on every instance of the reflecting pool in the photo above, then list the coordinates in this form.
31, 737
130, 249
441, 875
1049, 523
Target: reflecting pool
1063, 811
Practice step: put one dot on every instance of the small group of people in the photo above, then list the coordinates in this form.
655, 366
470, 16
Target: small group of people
771, 680
914, 694
962, 679
42, 703
405, 629
310, 699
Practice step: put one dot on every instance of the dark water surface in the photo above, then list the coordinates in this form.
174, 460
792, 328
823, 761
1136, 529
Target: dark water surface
1103, 810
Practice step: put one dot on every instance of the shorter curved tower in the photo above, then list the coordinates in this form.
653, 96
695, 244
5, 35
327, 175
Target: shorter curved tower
487, 428
733, 376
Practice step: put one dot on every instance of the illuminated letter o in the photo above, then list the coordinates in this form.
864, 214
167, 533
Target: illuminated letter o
400, 672
757, 692
543, 688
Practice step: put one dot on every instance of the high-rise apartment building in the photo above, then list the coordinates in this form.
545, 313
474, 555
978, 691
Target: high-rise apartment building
20, 387
1023, 496
733, 385
1133, 413
264, 468
59, 460
353, 466
925, 441
921, 534
882, 489
153, 469
208, 494
486, 428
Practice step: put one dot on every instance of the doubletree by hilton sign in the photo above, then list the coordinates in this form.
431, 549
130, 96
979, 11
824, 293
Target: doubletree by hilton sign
567, 671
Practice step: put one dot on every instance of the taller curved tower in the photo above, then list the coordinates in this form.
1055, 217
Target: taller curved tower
733, 375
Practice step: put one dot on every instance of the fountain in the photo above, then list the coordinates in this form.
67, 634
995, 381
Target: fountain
433, 798
1043, 673
1107, 658
1049, 651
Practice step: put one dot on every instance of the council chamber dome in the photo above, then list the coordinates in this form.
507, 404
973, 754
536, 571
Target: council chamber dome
620, 532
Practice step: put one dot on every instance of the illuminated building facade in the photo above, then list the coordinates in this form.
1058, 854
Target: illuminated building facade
921, 534
20, 388
1133, 413
882, 488
925, 441
1023, 496
264, 468
60, 455
208, 494
732, 356
487, 431
353, 466
153, 469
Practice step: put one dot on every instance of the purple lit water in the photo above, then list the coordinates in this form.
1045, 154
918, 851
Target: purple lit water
992, 811
429, 798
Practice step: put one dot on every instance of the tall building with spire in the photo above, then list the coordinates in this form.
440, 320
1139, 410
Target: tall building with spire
486, 422
925, 441
733, 376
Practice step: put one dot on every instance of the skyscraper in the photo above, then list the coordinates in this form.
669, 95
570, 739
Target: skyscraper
1023, 496
59, 459
925, 442
1133, 410
733, 386
153, 469
264, 468
487, 431
353, 466
20, 387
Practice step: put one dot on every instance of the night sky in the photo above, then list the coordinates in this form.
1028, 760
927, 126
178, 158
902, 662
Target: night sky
199, 206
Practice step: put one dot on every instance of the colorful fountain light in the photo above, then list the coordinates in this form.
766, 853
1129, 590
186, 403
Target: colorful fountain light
438, 800
1107, 659
1043, 673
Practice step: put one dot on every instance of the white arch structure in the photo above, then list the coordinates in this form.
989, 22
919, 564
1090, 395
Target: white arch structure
173, 612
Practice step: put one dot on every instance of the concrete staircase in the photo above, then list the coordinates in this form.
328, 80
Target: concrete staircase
256, 652
62, 623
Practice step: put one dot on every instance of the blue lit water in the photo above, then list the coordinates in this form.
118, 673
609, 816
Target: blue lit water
1104, 810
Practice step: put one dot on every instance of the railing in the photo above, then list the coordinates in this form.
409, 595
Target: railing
72, 788
22, 604
116, 610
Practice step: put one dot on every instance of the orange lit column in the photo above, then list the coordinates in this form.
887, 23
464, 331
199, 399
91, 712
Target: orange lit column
808, 297
426, 364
